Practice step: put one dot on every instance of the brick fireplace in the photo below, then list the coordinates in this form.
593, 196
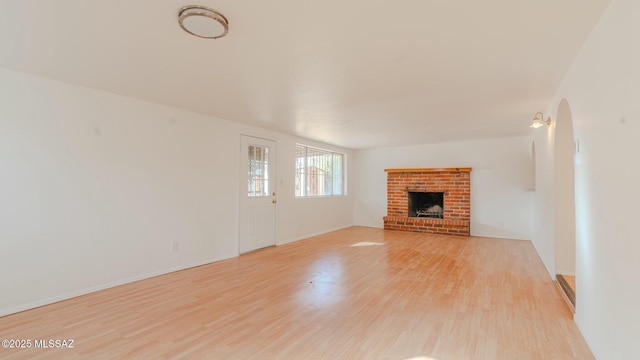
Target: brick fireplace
429, 200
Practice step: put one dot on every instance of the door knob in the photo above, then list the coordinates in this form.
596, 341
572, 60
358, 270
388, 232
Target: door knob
274, 201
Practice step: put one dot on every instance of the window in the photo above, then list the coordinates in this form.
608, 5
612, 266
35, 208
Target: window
318, 172
258, 171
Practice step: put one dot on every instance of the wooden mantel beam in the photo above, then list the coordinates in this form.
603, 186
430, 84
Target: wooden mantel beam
426, 170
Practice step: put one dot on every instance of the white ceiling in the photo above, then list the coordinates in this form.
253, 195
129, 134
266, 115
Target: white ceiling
355, 73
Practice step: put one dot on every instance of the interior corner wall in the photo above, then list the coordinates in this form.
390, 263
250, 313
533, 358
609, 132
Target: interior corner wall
602, 89
500, 181
96, 188
543, 207
564, 186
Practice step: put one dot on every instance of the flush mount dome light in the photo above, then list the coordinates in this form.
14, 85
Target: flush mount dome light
203, 22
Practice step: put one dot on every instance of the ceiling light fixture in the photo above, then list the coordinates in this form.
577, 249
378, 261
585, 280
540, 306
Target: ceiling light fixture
203, 22
538, 122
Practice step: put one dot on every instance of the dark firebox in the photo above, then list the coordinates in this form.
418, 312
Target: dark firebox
426, 204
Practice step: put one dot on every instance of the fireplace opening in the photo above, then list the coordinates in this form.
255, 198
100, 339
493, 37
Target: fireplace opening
426, 204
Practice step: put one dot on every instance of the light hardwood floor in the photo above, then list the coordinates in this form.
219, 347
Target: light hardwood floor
567, 285
571, 280
415, 296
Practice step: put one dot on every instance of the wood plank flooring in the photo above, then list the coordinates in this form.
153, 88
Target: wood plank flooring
401, 296
567, 284
571, 280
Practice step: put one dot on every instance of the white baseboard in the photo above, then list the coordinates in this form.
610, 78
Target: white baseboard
70, 295
312, 235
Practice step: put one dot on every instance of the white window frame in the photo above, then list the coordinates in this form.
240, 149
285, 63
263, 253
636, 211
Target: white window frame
302, 188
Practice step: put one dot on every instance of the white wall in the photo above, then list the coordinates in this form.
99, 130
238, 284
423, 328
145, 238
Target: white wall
95, 188
602, 89
564, 187
543, 207
500, 181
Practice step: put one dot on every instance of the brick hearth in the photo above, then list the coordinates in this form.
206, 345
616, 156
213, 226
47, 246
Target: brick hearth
454, 182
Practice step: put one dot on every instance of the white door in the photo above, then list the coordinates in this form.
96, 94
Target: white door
257, 194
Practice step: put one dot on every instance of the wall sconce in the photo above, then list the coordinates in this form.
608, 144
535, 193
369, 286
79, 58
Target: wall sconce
538, 122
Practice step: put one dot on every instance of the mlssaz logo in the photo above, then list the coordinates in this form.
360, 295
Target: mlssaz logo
57, 343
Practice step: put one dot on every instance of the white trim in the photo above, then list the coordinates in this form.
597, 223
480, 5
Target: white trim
73, 294
313, 234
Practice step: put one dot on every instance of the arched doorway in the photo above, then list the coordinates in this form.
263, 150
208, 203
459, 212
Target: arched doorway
565, 224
